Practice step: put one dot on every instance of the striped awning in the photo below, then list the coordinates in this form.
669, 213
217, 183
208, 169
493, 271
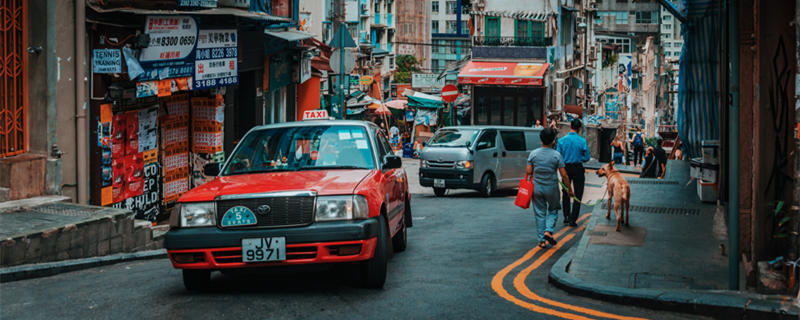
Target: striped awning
698, 93
519, 15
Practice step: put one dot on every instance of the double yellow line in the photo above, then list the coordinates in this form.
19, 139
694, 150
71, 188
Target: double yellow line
522, 288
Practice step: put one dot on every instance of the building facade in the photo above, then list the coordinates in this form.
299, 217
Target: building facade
450, 36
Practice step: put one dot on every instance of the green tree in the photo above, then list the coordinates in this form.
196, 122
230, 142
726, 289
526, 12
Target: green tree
406, 65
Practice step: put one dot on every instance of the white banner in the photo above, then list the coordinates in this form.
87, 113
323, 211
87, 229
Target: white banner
171, 38
216, 61
425, 80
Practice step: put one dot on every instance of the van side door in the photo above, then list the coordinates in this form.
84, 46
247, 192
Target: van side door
486, 155
514, 155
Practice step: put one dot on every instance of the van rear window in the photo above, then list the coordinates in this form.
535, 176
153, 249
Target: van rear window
513, 140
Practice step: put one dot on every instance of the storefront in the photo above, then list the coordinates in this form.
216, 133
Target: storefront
171, 93
506, 93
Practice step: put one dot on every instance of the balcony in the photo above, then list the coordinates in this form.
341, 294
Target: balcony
512, 42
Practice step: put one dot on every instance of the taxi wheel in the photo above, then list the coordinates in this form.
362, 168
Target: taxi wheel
408, 222
373, 271
439, 192
196, 279
487, 185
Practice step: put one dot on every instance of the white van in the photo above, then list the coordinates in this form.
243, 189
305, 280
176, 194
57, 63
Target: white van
484, 158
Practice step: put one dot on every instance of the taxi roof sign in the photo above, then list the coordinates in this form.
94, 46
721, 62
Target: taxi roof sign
315, 115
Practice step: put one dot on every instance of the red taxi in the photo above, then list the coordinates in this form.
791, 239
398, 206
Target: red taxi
311, 192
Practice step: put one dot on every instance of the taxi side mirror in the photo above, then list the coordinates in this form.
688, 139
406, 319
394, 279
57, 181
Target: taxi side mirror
211, 169
391, 161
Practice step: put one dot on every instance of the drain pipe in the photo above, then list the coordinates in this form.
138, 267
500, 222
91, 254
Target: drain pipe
733, 147
81, 134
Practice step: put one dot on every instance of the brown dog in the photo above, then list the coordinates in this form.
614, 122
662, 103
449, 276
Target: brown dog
620, 191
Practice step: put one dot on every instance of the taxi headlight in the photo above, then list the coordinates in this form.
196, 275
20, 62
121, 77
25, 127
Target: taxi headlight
464, 164
198, 214
332, 208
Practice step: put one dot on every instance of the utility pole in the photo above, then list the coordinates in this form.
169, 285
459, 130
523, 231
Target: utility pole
338, 22
587, 22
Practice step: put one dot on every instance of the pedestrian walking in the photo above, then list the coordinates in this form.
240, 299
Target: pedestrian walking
661, 157
619, 149
544, 165
638, 147
575, 152
650, 164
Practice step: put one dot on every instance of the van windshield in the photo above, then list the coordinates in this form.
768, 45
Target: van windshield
453, 138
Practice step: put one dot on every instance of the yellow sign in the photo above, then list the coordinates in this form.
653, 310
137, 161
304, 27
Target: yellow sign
365, 80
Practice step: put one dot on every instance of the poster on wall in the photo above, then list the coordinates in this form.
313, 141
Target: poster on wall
170, 53
106, 61
146, 202
217, 59
281, 8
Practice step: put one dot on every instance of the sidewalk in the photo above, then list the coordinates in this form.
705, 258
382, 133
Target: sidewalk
595, 164
669, 258
39, 236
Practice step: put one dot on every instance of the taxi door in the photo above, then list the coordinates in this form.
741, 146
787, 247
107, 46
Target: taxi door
391, 183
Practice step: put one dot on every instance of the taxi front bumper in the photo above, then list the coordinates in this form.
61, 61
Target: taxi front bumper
322, 242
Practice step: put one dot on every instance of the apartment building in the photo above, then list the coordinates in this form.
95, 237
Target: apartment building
449, 31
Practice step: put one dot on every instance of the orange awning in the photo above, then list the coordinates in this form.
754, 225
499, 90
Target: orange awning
503, 73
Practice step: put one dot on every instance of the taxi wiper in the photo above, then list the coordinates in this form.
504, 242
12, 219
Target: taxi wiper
259, 171
331, 167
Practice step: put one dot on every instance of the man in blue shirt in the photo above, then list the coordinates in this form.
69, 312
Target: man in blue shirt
575, 152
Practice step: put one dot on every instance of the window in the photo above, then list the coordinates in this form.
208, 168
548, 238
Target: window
667, 44
522, 30
667, 27
451, 7
453, 45
434, 26
646, 17
513, 140
667, 18
666, 35
492, 27
489, 137
442, 48
377, 7
391, 62
434, 65
435, 7
621, 17
451, 26
464, 27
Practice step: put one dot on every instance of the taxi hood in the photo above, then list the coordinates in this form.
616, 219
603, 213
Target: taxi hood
324, 182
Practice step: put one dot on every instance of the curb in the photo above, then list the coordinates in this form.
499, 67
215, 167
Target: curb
38, 270
717, 304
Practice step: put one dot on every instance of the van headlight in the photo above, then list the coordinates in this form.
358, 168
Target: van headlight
332, 208
464, 164
423, 163
198, 214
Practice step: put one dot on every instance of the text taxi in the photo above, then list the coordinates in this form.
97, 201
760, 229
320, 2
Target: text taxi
321, 191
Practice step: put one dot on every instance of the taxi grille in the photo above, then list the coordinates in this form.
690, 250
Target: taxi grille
284, 211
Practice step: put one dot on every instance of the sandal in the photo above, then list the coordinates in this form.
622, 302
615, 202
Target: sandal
542, 245
550, 240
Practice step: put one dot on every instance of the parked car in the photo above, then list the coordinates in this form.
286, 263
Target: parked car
298, 193
484, 158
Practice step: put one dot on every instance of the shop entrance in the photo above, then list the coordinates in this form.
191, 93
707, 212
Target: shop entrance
13, 103
512, 106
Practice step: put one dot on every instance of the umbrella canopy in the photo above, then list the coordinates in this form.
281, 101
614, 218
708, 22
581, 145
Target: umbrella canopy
383, 110
397, 104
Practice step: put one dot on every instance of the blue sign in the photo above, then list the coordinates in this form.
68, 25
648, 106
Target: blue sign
106, 61
238, 216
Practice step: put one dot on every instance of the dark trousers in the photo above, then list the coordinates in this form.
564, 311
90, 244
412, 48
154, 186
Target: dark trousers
575, 172
638, 154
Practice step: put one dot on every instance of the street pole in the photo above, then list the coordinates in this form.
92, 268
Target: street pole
733, 145
339, 23
587, 19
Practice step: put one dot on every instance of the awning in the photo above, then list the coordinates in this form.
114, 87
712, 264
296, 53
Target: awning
211, 11
377, 52
289, 34
503, 73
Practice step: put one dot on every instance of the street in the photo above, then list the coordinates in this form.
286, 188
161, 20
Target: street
468, 257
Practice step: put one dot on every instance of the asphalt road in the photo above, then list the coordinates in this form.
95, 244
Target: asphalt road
456, 266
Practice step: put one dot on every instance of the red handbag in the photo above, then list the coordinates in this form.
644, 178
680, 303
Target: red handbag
525, 193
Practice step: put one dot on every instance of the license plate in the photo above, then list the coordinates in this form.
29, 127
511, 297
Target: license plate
264, 249
438, 183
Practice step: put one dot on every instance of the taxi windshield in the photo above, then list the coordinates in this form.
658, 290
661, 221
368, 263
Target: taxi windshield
302, 148
453, 138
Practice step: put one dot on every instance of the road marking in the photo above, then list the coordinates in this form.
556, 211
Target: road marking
497, 282
519, 282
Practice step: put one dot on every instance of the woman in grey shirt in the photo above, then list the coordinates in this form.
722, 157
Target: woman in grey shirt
544, 165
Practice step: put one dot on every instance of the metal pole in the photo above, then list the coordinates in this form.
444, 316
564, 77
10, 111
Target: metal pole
733, 145
81, 126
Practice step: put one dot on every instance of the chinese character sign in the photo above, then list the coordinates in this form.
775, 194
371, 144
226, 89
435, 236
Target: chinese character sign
217, 59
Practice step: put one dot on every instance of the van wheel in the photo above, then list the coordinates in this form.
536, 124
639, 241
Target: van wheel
196, 280
487, 185
373, 271
439, 192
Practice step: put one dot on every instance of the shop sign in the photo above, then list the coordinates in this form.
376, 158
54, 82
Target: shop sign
217, 59
170, 53
235, 3
305, 69
198, 3
425, 80
106, 61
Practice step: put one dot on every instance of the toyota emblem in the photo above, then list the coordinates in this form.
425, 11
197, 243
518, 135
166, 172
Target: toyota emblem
263, 209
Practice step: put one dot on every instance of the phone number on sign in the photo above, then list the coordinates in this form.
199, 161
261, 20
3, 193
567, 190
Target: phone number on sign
216, 82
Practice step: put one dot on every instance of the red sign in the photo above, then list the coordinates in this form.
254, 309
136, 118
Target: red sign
449, 93
503, 73
315, 115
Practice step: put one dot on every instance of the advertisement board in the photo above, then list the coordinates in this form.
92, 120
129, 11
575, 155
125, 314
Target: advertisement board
170, 53
106, 61
425, 80
217, 59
